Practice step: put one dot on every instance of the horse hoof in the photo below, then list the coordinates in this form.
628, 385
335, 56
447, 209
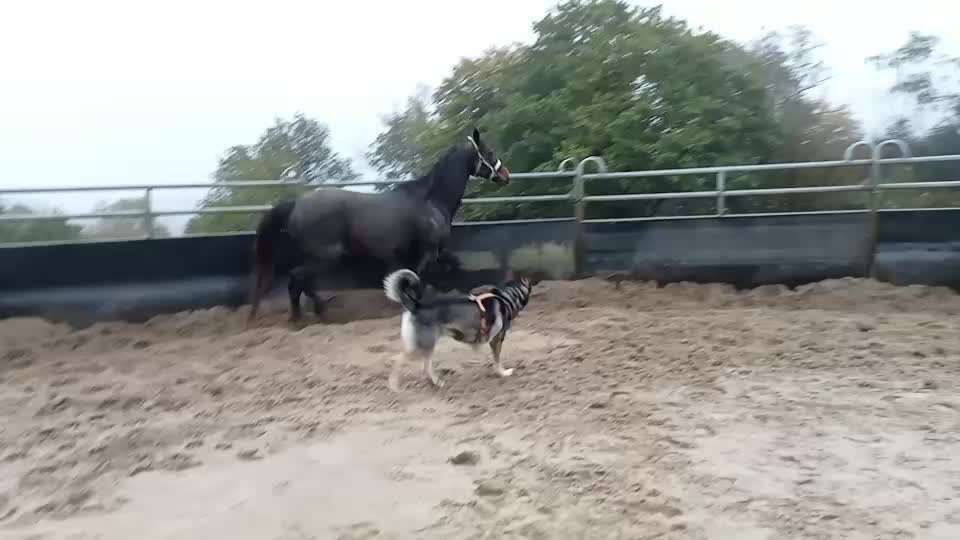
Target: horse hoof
296, 324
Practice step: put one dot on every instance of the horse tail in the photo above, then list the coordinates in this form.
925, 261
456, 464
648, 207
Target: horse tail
403, 287
271, 226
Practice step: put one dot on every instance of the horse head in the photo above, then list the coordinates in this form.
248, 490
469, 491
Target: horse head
487, 165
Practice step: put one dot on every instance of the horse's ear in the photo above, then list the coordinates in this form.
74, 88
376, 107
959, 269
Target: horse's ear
476, 135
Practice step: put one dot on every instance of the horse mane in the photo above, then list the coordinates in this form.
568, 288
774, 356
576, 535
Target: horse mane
437, 184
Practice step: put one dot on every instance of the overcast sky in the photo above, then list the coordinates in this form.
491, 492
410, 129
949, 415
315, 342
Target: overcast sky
117, 91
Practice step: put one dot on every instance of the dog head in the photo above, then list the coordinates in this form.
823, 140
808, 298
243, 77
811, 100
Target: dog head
524, 277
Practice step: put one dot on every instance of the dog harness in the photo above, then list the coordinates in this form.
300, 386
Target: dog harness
512, 299
479, 298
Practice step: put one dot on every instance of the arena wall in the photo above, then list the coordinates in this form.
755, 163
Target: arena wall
134, 280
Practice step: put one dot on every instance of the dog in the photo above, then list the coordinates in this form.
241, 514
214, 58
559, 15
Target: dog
482, 316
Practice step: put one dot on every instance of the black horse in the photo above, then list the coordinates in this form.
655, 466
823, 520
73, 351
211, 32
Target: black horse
405, 227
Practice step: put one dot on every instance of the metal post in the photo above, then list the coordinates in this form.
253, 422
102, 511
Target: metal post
873, 231
579, 240
721, 198
579, 213
148, 212
873, 219
872, 236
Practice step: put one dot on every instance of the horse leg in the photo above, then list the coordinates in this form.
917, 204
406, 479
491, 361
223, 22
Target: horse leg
308, 277
304, 277
295, 289
431, 254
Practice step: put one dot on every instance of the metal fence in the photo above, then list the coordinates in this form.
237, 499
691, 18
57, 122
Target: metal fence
577, 175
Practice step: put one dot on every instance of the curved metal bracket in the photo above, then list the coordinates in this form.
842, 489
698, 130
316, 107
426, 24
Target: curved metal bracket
597, 160
569, 162
848, 153
290, 174
877, 149
903, 146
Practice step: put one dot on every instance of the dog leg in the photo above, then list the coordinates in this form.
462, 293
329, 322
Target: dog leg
428, 369
495, 346
394, 381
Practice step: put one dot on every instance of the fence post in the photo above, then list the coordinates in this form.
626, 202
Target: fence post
873, 219
148, 212
721, 189
579, 240
579, 214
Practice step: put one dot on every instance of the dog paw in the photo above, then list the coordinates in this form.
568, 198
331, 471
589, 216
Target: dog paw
437, 382
505, 372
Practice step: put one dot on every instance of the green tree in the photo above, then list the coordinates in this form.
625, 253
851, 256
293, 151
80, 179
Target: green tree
925, 75
811, 129
401, 150
301, 145
46, 230
928, 78
106, 228
600, 78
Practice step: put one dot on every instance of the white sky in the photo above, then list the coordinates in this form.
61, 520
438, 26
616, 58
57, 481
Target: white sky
116, 91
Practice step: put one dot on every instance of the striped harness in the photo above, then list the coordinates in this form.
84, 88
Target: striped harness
513, 297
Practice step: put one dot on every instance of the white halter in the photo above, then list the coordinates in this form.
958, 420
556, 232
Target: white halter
483, 161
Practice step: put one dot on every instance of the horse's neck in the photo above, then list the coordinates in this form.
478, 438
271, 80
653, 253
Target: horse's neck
449, 199
449, 185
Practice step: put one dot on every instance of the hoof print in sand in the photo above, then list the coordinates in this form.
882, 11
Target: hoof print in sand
250, 454
467, 457
491, 488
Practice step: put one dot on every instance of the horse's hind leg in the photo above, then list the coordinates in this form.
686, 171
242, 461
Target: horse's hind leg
302, 280
308, 277
294, 289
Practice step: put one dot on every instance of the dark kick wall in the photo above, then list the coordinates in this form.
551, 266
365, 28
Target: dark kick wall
745, 251
134, 280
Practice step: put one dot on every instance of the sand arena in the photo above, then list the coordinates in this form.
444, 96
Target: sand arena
689, 411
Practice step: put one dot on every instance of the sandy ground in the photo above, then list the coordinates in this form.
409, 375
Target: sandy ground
635, 412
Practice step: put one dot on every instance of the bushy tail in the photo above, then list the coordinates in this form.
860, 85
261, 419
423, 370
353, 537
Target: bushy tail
271, 226
403, 286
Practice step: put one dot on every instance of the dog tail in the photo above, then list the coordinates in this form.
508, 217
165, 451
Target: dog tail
403, 287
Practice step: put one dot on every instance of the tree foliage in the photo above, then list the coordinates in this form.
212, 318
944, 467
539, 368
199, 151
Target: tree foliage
134, 227
47, 230
810, 128
301, 145
640, 89
929, 79
924, 74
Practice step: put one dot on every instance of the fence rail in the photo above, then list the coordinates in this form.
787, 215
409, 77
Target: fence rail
578, 178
